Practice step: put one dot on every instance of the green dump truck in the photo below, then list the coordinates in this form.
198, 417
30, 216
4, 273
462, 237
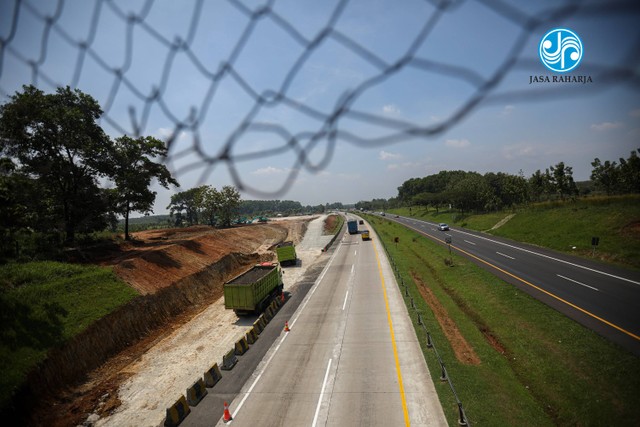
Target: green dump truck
252, 291
286, 253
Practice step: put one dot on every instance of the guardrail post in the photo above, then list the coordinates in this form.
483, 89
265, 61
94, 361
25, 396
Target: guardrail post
429, 343
419, 319
462, 419
412, 303
406, 291
443, 375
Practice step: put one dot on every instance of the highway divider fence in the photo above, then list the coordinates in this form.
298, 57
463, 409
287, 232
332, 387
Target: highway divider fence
410, 303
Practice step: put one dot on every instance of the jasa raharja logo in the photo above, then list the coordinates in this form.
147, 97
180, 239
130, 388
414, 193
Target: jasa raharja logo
560, 51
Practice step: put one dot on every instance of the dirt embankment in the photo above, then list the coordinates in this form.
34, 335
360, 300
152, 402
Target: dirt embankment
179, 272
160, 258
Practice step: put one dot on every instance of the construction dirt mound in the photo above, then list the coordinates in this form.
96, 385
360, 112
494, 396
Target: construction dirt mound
156, 259
179, 272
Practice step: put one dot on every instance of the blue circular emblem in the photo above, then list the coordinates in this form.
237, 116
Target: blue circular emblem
560, 50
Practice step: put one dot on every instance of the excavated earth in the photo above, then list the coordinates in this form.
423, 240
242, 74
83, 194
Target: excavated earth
128, 384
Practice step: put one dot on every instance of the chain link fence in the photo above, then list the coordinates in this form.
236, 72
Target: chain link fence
326, 128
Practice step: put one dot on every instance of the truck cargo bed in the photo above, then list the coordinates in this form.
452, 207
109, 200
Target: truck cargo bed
251, 276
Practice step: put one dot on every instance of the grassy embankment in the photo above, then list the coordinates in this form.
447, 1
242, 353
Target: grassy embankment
561, 226
333, 224
536, 366
42, 304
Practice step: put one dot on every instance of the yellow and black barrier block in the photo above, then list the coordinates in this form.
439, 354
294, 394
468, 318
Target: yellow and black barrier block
196, 392
263, 321
241, 346
177, 412
257, 325
270, 311
267, 315
229, 360
212, 376
251, 336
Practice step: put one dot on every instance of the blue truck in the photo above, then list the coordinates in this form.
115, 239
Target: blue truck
352, 226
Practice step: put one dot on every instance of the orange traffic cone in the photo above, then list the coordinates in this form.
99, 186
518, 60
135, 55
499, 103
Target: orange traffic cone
286, 326
227, 415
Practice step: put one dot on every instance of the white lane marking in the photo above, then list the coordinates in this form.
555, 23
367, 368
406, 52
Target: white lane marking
355, 252
324, 384
505, 255
345, 300
264, 368
549, 257
579, 283
275, 350
352, 267
470, 242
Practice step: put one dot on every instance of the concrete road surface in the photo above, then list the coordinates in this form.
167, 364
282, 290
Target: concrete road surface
602, 297
351, 357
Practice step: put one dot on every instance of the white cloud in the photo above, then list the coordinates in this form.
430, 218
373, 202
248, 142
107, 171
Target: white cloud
635, 113
457, 143
166, 133
269, 170
391, 109
385, 155
507, 110
606, 126
405, 166
518, 150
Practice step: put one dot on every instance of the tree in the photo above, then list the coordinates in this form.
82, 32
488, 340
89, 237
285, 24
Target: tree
630, 173
230, 198
56, 140
132, 168
537, 184
184, 205
470, 193
605, 175
562, 180
509, 190
210, 202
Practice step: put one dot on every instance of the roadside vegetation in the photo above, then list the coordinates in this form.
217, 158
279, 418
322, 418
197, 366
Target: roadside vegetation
332, 224
42, 304
514, 360
563, 226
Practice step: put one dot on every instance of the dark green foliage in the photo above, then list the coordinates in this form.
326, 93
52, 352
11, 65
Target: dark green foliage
132, 168
61, 151
42, 304
53, 155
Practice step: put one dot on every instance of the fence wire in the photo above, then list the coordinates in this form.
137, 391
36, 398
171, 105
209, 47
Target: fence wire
332, 126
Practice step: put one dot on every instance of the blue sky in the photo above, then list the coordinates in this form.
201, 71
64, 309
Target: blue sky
390, 126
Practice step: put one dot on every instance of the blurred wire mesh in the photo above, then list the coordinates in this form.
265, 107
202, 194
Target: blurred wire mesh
330, 127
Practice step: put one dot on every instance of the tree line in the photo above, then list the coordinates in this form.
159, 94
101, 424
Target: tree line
472, 191
205, 205
54, 156
222, 208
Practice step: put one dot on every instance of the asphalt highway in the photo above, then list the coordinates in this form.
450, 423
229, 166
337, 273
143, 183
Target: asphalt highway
351, 356
601, 297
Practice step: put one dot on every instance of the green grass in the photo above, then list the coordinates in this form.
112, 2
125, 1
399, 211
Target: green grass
42, 304
337, 225
546, 369
562, 226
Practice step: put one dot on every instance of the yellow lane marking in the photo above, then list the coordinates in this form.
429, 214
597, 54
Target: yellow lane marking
588, 313
393, 342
